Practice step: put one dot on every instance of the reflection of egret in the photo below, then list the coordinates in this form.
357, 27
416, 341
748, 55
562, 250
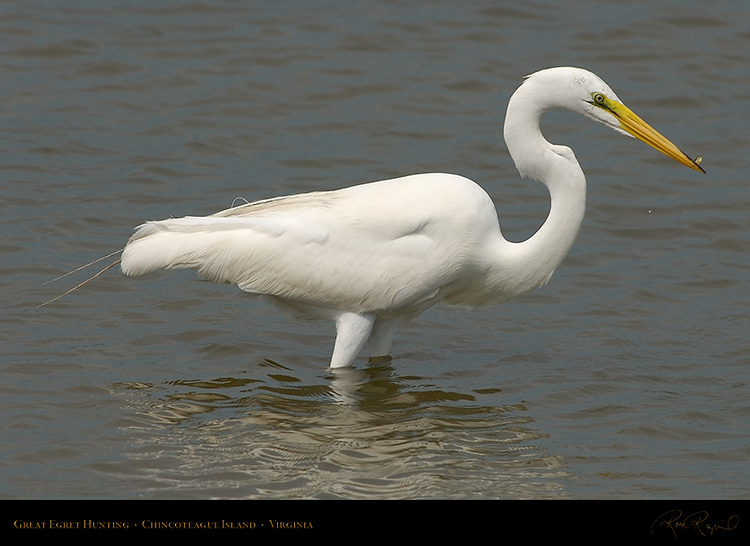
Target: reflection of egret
372, 257
377, 382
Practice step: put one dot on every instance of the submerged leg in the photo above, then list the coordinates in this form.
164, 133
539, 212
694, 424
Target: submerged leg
352, 332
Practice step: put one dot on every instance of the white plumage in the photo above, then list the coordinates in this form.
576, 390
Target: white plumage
373, 256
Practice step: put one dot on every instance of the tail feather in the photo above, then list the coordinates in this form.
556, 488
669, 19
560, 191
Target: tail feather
277, 254
187, 243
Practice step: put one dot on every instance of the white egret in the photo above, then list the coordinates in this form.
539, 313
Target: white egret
372, 257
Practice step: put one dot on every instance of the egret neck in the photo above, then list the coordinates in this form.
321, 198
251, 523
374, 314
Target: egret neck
529, 264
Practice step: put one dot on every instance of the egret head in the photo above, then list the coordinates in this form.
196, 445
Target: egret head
586, 93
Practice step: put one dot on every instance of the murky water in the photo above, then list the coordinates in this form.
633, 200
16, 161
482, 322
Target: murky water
626, 377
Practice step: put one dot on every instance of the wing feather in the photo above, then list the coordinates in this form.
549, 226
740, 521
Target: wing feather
336, 249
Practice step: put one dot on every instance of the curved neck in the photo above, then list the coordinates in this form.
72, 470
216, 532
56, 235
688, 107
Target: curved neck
530, 264
537, 258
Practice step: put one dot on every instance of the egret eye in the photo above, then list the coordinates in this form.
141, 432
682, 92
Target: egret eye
598, 98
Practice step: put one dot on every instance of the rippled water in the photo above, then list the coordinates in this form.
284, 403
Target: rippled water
626, 377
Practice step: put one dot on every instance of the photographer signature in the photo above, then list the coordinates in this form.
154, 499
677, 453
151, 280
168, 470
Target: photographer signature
674, 521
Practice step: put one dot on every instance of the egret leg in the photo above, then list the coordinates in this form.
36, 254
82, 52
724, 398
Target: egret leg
352, 331
381, 338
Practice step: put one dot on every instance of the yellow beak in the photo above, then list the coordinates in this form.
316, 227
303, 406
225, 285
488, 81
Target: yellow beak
641, 130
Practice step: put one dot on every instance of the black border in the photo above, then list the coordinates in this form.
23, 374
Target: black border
670, 521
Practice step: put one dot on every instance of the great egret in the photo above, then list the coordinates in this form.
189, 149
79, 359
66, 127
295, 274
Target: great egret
372, 257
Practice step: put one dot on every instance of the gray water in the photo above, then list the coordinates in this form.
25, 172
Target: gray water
624, 378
